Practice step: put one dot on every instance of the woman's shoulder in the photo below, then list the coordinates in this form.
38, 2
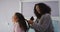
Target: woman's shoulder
46, 15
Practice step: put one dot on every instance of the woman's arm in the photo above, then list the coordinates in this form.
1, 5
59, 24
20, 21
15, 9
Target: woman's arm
42, 27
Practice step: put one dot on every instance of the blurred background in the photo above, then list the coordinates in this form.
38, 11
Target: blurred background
9, 7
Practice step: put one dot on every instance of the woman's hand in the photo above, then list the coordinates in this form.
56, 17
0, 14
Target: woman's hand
30, 21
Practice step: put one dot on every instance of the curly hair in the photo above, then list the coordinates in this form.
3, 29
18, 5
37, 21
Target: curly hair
43, 9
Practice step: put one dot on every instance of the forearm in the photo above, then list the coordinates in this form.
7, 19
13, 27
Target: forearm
37, 27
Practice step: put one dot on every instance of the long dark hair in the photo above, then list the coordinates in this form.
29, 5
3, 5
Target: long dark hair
43, 9
21, 20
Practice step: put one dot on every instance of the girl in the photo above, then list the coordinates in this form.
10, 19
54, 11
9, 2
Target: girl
19, 23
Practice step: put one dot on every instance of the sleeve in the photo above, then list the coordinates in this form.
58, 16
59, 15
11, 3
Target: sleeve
42, 27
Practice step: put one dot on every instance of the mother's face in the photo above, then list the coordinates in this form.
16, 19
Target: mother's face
37, 9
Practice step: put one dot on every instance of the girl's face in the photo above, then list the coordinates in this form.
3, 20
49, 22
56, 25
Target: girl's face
37, 9
14, 18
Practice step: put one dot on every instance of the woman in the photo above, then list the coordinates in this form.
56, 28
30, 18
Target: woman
43, 22
19, 23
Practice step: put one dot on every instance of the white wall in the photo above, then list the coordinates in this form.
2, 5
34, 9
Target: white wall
7, 8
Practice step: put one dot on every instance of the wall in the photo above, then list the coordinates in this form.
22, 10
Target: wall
7, 8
